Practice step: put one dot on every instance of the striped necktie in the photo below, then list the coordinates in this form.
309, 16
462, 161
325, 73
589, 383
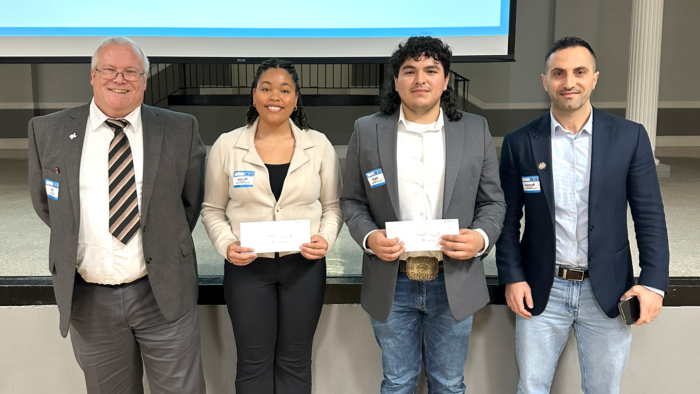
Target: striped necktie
123, 203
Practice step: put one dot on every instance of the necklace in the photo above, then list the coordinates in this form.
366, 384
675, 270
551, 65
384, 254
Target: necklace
267, 143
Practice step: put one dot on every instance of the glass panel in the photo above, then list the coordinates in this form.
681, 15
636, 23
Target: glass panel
24, 238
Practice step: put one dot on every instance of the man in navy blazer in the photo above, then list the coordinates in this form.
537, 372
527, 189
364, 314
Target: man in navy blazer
575, 170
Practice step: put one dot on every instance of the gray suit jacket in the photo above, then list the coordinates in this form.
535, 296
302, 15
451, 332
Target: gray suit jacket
472, 194
173, 189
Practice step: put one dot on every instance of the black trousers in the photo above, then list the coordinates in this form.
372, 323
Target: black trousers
274, 305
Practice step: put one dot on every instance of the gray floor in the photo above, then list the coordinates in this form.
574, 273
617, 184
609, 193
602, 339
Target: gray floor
24, 238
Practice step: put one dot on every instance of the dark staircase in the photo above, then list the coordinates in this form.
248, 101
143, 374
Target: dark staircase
229, 84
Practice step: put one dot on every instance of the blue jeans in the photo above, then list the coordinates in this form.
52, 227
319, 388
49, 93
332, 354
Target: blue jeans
421, 329
603, 343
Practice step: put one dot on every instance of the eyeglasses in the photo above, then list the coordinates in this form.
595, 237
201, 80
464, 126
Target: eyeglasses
128, 75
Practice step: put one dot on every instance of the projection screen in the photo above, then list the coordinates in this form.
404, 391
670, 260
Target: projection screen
359, 30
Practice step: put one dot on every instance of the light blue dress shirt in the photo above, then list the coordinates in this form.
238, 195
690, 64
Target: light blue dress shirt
571, 170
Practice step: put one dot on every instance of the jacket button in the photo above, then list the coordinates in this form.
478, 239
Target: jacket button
143, 229
590, 228
591, 258
148, 260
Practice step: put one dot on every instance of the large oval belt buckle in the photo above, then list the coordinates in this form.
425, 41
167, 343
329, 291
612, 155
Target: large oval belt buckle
422, 268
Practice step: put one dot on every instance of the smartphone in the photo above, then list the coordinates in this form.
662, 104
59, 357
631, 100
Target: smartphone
629, 310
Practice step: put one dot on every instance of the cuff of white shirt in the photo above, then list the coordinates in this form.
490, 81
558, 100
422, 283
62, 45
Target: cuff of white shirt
364, 242
486, 241
655, 290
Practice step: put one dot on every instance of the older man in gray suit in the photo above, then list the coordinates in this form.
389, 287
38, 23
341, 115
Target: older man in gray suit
120, 184
422, 159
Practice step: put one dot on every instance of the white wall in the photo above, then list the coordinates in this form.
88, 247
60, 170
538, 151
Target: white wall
606, 26
665, 356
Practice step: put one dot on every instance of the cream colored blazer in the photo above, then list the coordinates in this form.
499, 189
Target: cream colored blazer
311, 189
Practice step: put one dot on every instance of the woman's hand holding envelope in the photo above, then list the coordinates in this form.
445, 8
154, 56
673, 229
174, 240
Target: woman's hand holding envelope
316, 249
240, 256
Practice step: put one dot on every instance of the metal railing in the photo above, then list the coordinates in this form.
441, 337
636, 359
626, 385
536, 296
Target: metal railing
169, 79
460, 90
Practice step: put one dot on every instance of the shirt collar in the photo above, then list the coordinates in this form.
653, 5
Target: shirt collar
418, 127
97, 118
588, 127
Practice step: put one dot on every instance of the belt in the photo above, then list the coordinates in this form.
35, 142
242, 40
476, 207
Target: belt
121, 285
402, 266
574, 274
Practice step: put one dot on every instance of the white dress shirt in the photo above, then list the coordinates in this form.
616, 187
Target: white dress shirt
571, 170
420, 163
102, 258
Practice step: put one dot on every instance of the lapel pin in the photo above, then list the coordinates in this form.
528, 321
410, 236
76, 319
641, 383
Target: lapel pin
73, 135
542, 165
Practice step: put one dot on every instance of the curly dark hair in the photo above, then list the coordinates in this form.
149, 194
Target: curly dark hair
298, 116
415, 48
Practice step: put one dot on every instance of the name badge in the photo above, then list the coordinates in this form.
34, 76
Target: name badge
375, 178
51, 189
531, 184
243, 179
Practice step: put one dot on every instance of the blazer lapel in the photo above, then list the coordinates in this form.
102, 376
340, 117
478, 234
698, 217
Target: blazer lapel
247, 141
603, 135
541, 144
73, 150
454, 150
387, 131
153, 129
302, 142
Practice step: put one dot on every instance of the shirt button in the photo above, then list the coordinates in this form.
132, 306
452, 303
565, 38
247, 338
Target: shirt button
571, 165
571, 192
421, 159
421, 213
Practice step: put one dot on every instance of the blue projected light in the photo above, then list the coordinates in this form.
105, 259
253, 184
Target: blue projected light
227, 18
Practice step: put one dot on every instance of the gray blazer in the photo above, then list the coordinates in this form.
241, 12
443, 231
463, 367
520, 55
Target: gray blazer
472, 194
173, 189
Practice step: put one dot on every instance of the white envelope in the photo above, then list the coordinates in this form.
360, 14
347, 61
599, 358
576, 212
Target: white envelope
422, 235
275, 236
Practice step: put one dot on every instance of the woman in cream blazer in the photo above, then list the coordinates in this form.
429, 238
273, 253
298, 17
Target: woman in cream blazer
274, 299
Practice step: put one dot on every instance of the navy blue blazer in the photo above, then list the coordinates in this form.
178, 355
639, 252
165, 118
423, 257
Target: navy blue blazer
622, 171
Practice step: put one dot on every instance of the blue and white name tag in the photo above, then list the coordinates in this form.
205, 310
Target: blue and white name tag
375, 178
243, 178
531, 184
51, 189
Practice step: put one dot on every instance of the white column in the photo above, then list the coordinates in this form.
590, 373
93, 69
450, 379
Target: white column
645, 65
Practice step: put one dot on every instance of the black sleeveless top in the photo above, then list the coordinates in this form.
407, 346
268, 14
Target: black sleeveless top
278, 173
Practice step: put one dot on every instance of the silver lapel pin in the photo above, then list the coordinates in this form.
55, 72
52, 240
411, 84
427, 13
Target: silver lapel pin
73, 135
542, 165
